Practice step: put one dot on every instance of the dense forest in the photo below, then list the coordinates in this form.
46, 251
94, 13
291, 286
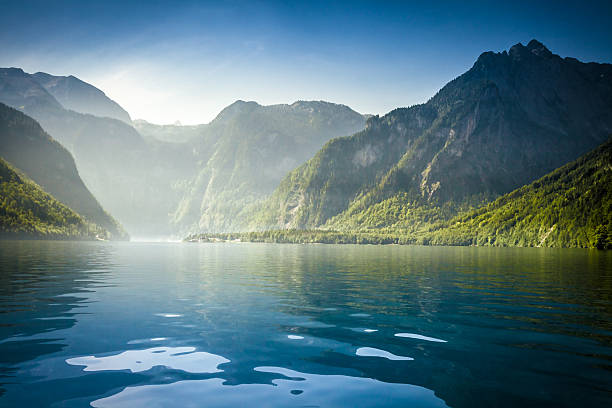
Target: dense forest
26, 211
570, 207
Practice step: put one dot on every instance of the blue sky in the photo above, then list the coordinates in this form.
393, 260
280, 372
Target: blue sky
186, 60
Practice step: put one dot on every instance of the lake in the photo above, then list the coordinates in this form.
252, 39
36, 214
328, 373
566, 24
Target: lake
266, 325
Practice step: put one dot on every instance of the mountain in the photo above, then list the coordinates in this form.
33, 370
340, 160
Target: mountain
247, 149
165, 180
570, 207
138, 180
26, 146
168, 133
26, 211
512, 118
79, 96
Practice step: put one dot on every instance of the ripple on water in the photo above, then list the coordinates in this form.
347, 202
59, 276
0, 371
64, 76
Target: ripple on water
177, 358
362, 330
297, 389
152, 340
314, 324
374, 352
419, 337
168, 314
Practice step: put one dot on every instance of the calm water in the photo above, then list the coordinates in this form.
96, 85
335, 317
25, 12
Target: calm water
212, 325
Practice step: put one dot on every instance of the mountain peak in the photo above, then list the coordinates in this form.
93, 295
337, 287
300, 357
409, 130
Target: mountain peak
235, 109
80, 96
534, 47
12, 71
538, 48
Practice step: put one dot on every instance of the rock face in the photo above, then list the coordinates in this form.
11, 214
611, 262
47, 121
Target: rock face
26, 146
513, 117
79, 96
247, 149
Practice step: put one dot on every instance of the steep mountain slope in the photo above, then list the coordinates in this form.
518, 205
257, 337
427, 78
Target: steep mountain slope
570, 207
137, 180
513, 117
79, 96
26, 146
247, 149
26, 211
177, 178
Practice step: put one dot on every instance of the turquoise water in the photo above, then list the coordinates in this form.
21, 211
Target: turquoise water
216, 325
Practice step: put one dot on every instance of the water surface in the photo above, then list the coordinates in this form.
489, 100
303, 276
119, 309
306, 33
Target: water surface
213, 325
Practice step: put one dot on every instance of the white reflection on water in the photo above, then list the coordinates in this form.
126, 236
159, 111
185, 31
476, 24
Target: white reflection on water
168, 315
177, 358
374, 352
299, 389
294, 337
153, 340
362, 330
418, 336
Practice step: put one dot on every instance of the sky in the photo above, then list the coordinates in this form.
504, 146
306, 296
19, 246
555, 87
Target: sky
165, 61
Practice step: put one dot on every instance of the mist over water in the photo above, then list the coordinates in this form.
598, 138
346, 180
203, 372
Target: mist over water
136, 324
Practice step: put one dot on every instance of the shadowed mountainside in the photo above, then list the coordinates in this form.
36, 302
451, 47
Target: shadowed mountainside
26, 146
513, 117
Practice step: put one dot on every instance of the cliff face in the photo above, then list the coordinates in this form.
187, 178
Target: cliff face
513, 117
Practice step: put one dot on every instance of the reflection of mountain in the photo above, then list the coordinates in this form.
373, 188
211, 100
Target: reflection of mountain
41, 299
495, 308
463, 295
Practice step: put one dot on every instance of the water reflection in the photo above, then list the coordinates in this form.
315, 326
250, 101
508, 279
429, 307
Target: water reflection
293, 389
374, 352
42, 287
419, 337
483, 325
176, 358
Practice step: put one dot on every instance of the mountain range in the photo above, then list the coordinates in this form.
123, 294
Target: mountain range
247, 149
164, 180
512, 118
132, 176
